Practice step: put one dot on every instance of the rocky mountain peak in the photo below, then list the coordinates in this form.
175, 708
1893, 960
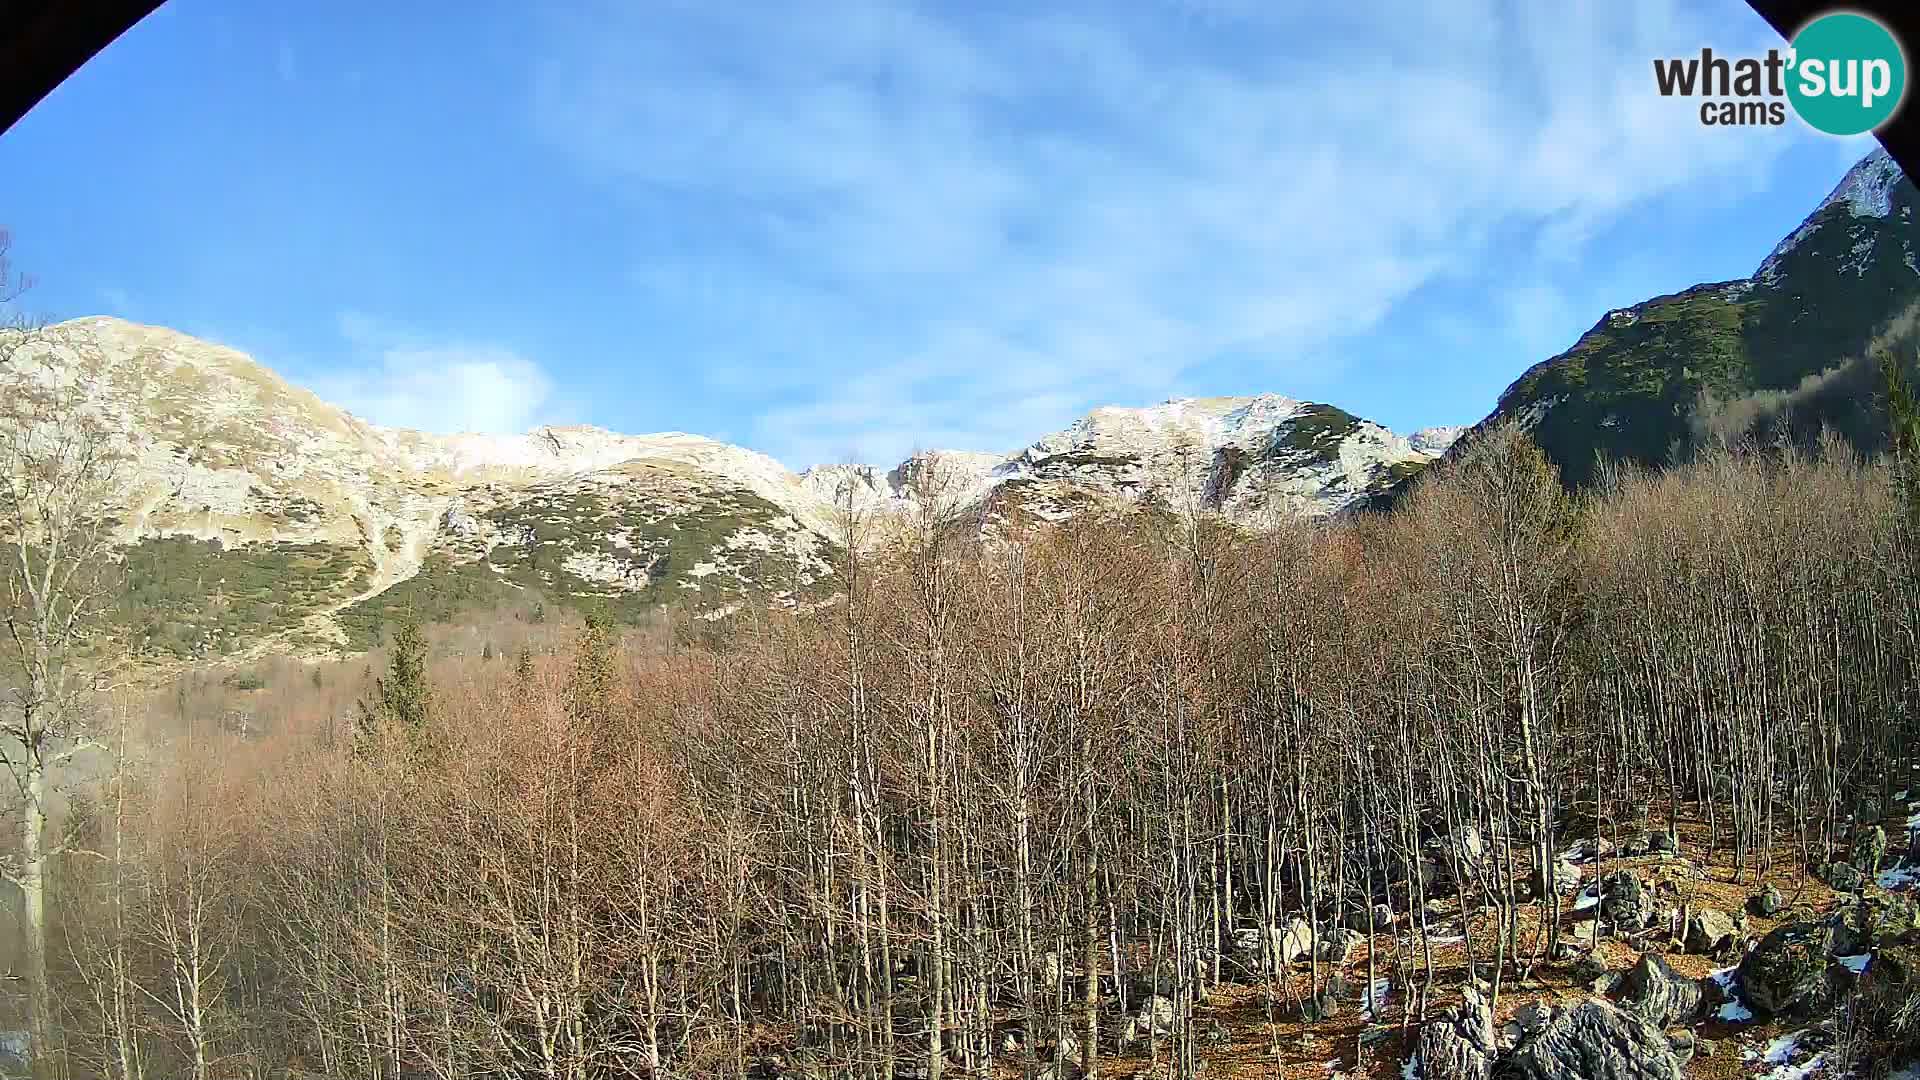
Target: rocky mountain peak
1780, 349
1866, 191
345, 524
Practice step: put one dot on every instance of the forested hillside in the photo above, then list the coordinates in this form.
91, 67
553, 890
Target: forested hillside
1503, 776
984, 670
1518, 778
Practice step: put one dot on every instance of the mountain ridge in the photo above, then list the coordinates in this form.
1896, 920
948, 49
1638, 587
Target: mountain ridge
315, 528
1652, 379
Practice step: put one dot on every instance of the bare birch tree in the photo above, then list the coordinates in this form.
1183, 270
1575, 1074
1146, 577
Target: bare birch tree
64, 472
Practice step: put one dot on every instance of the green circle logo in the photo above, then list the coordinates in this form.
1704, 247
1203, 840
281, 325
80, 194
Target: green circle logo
1848, 74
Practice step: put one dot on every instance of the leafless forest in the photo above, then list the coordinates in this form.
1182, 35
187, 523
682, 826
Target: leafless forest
1038, 796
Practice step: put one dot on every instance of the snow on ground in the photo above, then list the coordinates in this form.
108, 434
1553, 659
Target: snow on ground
1375, 998
1589, 898
1732, 1009
1900, 877
1781, 1052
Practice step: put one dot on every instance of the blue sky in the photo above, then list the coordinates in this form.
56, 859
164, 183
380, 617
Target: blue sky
856, 227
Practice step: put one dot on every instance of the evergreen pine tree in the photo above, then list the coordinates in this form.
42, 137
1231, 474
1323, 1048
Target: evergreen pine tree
590, 693
402, 697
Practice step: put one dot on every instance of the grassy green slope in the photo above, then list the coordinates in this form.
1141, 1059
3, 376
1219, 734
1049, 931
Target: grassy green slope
1630, 387
676, 544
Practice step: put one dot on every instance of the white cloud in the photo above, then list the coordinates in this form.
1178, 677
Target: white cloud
399, 380
966, 226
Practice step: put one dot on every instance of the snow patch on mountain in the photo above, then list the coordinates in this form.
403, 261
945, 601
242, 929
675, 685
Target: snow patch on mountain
963, 477
1867, 191
252, 440
1241, 455
227, 450
1434, 441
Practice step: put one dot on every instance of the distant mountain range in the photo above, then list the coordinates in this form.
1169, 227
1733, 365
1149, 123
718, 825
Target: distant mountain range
266, 519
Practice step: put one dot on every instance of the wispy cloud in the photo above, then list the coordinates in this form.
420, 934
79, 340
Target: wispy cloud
401, 379
962, 226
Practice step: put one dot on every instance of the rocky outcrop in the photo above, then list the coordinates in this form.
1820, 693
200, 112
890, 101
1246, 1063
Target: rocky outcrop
1154, 1019
221, 448
1593, 1041
1710, 933
1566, 878
1787, 971
1590, 849
1290, 942
1615, 394
1891, 917
1590, 970
1461, 857
1653, 990
1843, 876
1459, 1045
1337, 946
1529, 1019
1231, 454
1624, 901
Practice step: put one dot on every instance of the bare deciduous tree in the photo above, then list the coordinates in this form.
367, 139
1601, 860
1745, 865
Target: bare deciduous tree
64, 474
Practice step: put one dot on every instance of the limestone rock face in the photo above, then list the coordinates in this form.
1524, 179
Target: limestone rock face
1459, 1045
1594, 1041
1709, 932
1624, 901
1660, 994
337, 523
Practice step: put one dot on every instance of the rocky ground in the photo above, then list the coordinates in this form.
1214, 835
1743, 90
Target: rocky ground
1701, 971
